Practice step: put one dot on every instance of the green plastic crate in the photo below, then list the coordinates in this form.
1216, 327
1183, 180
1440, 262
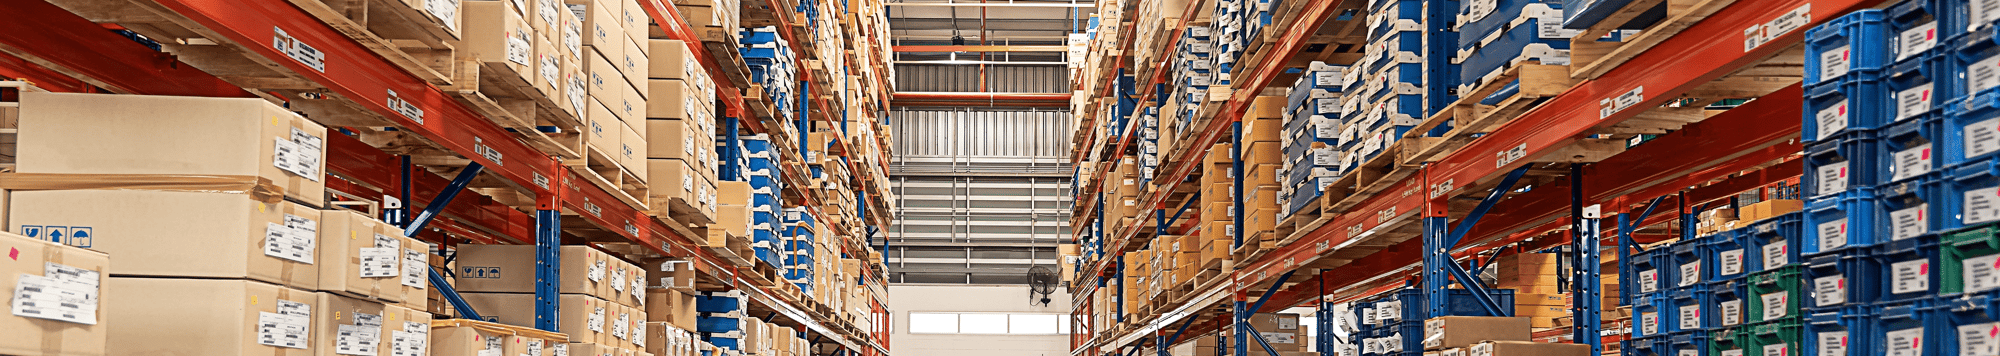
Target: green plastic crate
1780, 337
1977, 243
1774, 294
1729, 339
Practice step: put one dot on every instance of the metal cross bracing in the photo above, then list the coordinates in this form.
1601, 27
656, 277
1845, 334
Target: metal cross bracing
91, 53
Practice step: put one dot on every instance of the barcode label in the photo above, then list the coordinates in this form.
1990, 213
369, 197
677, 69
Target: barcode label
379, 262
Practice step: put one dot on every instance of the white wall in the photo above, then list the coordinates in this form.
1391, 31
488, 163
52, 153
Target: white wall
917, 298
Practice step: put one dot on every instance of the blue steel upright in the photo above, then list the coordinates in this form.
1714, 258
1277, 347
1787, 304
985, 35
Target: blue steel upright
1439, 267
1584, 243
424, 218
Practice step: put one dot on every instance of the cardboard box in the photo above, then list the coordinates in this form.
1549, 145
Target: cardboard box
676, 274
601, 128
672, 307
408, 329
668, 340
363, 258
1769, 209
633, 294
634, 65
675, 99
499, 38
165, 135
155, 233
511, 269
221, 317
340, 325
631, 105
460, 337
632, 152
602, 29
584, 318
1524, 348
1463, 331
674, 179
592, 349
671, 59
54, 328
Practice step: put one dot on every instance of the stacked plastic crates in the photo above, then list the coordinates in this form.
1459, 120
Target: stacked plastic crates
800, 244
1392, 76
1197, 72
1237, 24
1396, 325
1968, 252
1312, 129
719, 318
1495, 35
766, 189
1149, 142
774, 66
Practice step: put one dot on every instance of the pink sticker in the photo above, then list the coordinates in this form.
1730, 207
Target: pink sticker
15, 254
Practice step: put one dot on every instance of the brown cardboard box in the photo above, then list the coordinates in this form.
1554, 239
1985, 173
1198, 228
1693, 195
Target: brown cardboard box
511, 269
1261, 220
671, 306
400, 323
155, 233
671, 59
1524, 348
59, 329
548, 69
222, 317
165, 135
591, 349
634, 65
601, 128
338, 324
1545, 311
362, 257
733, 219
1463, 331
1543, 299
631, 105
545, 17
674, 179
460, 337
672, 273
669, 340
1769, 209
632, 152
602, 29
675, 99
1282, 331
680, 140
605, 82
498, 38
584, 318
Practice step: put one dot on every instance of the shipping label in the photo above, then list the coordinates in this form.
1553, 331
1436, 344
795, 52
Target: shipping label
1732, 311
1912, 162
1832, 119
1775, 305
1906, 342
1982, 205
1834, 62
1690, 273
1776, 253
1729, 262
1910, 276
1916, 40
1910, 222
1830, 290
1832, 343
1981, 273
1979, 339
1833, 234
1832, 178
1913, 101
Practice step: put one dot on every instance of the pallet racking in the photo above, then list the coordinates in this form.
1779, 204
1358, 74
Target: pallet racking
69, 45
1373, 238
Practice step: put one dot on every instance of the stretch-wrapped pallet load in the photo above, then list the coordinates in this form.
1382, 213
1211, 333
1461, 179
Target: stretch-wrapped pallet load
1311, 140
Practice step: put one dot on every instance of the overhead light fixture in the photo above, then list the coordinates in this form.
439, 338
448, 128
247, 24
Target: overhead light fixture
957, 40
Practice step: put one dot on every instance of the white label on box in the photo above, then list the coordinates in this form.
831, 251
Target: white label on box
1833, 63
1981, 273
1982, 205
1984, 73
1978, 339
379, 262
1906, 342
1910, 276
1909, 223
534, 348
405, 343
1833, 234
1649, 324
1690, 316
1777, 253
1916, 40
1775, 305
1688, 352
623, 323
595, 322
416, 270
290, 327
1830, 290
1982, 137
1832, 343
284, 154
1280, 338
1833, 119
1912, 162
618, 280
356, 339
551, 70
1913, 101
1832, 178
1732, 352
1732, 311
1649, 281
279, 241
56, 299
596, 272
306, 163
445, 11
1729, 262
518, 49
638, 334
1778, 349
1690, 273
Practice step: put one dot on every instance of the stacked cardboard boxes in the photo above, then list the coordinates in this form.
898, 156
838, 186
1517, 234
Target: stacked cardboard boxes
1534, 278
1263, 156
680, 124
461, 337
601, 295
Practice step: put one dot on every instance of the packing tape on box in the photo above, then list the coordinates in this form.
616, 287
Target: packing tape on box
258, 188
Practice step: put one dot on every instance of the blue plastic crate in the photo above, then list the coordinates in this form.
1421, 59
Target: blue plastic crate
1909, 148
1840, 332
1977, 53
713, 324
1398, 9
1972, 130
1395, 41
1728, 303
1910, 269
1688, 343
1841, 163
1731, 254
1462, 303
1688, 261
1900, 329
1966, 319
1687, 305
1975, 192
724, 342
1479, 19
1648, 316
1844, 278
1919, 27
1921, 86
717, 304
1520, 38
1773, 242
1911, 208
1839, 221
1848, 46
1846, 105
1649, 272
1648, 346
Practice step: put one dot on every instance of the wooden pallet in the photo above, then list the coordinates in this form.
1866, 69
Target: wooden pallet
680, 210
603, 170
1367, 179
409, 37
500, 95
735, 249
1302, 221
1470, 118
1336, 41
1590, 58
721, 45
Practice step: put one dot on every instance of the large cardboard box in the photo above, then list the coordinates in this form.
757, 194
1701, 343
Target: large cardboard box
584, 318
408, 331
591, 349
632, 151
349, 326
42, 321
601, 128
217, 317
675, 99
173, 136
157, 233
499, 39
688, 141
511, 269
362, 257
674, 179
671, 59
672, 307
602, 29
634, 65
1463, 331
460, 337
676, 274
1524, 348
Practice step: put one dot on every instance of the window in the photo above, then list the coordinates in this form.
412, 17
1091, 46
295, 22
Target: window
989, 323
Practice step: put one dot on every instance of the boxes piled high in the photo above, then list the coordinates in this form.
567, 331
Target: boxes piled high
680, 129
57, 302
601, 295
612, 54
1311, 139
1263, 157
